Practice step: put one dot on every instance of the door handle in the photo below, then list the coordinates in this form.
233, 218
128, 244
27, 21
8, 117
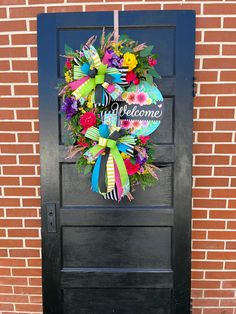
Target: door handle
51, 217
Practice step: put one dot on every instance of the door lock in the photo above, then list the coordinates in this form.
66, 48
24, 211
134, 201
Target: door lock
51, 217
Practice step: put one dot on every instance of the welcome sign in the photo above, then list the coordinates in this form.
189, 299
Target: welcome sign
135, 111
141, 109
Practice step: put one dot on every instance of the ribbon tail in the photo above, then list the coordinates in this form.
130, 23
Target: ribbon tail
99, 95
122, 170
118, 183
110, 173
95, 175
102, 173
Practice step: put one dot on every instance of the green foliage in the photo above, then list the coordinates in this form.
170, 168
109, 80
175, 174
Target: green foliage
149, 79
126, 49
82, 165
144, 180
87, 169
146, 51
69, 51
153, 72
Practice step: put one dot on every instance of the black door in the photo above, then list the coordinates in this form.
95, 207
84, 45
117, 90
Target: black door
104, 257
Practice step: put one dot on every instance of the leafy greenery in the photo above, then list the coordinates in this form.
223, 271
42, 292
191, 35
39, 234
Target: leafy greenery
82, 165
146, 51
153, 72
144, 180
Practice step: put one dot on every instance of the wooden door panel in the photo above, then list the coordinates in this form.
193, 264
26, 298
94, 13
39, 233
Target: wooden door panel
125, 301
116, 247
127, 257
74, 185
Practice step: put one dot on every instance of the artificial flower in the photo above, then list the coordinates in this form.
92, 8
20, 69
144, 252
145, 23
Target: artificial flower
68, 64
124, 95
149, 101
130, 167
136, 81
68, 77
141, 159
115, 61
136, 124
131, 98
69, 107
82, 110
89, 104
87, 120
130, 76
130, 61
144, 139
117, 47
125, 124
124, 155
81, 142
141, 98
112, 59
152, 62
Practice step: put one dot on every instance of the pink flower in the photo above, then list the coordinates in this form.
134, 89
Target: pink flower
152, 62
136, 124
125, 124
130, 76
87, 120
130, 167
141, 98
144, 139
68, 64
130, 98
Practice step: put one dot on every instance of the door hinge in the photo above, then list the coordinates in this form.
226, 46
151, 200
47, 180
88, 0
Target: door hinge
51, 217
194, 87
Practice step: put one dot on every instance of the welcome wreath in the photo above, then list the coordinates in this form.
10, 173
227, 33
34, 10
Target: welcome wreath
111, 107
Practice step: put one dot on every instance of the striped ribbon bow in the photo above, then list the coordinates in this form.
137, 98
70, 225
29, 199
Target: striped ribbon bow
97, 78
109, 171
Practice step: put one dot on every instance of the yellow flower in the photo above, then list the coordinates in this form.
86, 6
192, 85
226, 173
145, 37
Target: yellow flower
116, 48
130, 61
91, 162
149, 101
82, 110
67, 77
89, 104
124, 156
124, 95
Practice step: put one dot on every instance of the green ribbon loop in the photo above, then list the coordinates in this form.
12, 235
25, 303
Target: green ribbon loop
105, 147
99, 79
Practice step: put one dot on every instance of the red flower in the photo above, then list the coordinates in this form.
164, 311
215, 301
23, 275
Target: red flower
152, 62
87, 120
144, 139
68, 64
81, 142
130, 76
136, 81
131, 168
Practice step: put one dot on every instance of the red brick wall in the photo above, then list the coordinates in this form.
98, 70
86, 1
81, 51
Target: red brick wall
214, 183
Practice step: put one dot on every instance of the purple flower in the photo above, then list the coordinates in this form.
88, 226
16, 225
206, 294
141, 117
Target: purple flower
69, 107
140, 159
114, 60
